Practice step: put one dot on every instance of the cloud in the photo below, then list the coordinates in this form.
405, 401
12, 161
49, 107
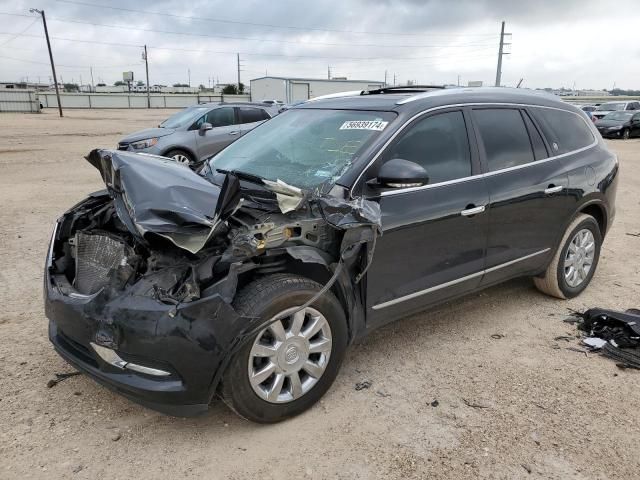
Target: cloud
430, 41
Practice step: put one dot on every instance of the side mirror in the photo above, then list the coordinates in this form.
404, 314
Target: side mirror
204, 127
399, 173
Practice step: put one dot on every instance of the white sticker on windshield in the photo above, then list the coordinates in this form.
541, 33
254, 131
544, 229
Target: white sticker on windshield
376, 125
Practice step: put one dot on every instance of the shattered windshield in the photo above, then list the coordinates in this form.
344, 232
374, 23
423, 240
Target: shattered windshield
305, 147
184, 117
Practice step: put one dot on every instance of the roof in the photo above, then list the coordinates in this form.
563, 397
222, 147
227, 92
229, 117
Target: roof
436, 98
318, 80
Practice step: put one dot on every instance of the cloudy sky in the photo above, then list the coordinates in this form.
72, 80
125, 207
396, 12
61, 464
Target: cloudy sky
556, 43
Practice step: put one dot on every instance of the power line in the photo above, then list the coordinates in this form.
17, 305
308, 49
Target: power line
21, 31
257, 39
133, 45
68, 66
254, 24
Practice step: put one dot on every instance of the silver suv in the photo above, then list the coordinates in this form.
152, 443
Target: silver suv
198, 132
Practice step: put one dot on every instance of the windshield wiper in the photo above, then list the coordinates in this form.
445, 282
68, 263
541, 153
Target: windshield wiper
242, 175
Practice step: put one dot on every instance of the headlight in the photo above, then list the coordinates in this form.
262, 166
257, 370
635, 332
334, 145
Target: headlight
149, 142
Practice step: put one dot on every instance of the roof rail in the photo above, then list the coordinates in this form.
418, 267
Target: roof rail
404, 89
351, 93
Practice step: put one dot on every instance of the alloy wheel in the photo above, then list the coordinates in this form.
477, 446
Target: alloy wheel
290, 355
579, 258
180, 158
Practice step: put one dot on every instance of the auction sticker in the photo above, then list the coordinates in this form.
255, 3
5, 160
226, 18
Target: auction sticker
376, 125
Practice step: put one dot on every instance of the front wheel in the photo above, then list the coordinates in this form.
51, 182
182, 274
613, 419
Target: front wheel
575, 261
180, 156
626, 134
287, 366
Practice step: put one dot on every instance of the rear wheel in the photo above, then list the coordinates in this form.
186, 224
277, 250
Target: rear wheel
575, 261
287, 366
180, 156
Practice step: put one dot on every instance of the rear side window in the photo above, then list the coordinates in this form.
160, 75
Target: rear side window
505, 138
251, 115
439, 143
564, 130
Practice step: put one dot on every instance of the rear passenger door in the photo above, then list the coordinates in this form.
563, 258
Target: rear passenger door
527, 190
251, 117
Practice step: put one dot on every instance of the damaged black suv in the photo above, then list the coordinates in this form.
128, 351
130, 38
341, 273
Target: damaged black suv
248, 279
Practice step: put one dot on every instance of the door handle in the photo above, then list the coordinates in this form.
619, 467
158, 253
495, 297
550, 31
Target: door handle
553, 189
472, 211
236, 132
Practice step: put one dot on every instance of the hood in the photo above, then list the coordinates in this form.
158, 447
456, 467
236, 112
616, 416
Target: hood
147, 133
159, 196
610, 123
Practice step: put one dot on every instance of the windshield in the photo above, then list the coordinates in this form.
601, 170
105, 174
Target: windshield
618, 116
184, 117
612, 106
304, 148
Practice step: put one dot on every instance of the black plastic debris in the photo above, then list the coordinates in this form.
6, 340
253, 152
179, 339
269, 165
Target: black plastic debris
614, 334
60, 377
363, 385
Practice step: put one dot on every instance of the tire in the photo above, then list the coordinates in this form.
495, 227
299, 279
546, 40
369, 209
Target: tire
554, 281
626, 134
180, 156
265, 299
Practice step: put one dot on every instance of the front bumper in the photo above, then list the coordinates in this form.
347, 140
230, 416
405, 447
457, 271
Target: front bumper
189, 341
611, 133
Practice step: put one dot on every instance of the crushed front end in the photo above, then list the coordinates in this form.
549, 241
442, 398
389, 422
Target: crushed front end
140, 278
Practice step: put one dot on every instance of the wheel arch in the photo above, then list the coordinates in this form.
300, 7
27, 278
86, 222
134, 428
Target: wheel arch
188, 150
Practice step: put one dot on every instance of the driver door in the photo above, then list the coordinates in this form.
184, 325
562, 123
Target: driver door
225, 130
434, 237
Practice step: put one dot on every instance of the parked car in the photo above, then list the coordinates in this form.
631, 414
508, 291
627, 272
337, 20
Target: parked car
620, 125
605, 108
588, 108
249, 279
198, 131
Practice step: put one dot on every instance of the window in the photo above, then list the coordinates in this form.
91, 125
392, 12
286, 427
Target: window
439, 143
221, 117
565, 131
505, 138
251, 115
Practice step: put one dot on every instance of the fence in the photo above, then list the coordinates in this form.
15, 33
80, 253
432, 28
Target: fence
15, 100
126, 100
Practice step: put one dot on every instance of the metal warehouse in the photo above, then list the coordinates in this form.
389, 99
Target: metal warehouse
291, 90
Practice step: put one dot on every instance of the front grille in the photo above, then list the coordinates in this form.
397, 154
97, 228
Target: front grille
96, 256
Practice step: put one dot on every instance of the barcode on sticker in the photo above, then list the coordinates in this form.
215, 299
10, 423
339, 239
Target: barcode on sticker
377, 125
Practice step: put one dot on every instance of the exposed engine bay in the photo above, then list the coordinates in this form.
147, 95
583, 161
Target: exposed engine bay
163, 231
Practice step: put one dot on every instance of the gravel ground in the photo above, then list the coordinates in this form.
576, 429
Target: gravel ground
447, 399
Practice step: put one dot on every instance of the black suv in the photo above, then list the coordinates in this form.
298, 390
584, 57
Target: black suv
249, 279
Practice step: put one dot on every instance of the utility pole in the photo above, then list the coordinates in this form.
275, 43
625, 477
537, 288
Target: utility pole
328, 72
394, 79
238, 61
189, 76
53, 67
458, 80
501, 52
385, 78
91, 72
146, 66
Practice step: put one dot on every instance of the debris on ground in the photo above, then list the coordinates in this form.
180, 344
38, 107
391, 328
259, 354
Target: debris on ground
380, 393
497, 336
471, 404
435, 403
363, 385
526, 467
613, 334
60, 377
633, 234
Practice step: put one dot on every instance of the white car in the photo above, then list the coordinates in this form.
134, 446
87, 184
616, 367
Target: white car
608, 107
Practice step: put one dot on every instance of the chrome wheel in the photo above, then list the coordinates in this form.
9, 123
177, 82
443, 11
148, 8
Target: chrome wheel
290, 355
180, 158
579, 258
626, 134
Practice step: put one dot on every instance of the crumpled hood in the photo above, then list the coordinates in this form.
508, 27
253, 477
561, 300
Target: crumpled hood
157, 195
146, 133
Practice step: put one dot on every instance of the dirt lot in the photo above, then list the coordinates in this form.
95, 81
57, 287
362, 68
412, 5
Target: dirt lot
549, 410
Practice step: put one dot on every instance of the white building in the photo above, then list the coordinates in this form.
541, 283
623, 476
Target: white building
290, 90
